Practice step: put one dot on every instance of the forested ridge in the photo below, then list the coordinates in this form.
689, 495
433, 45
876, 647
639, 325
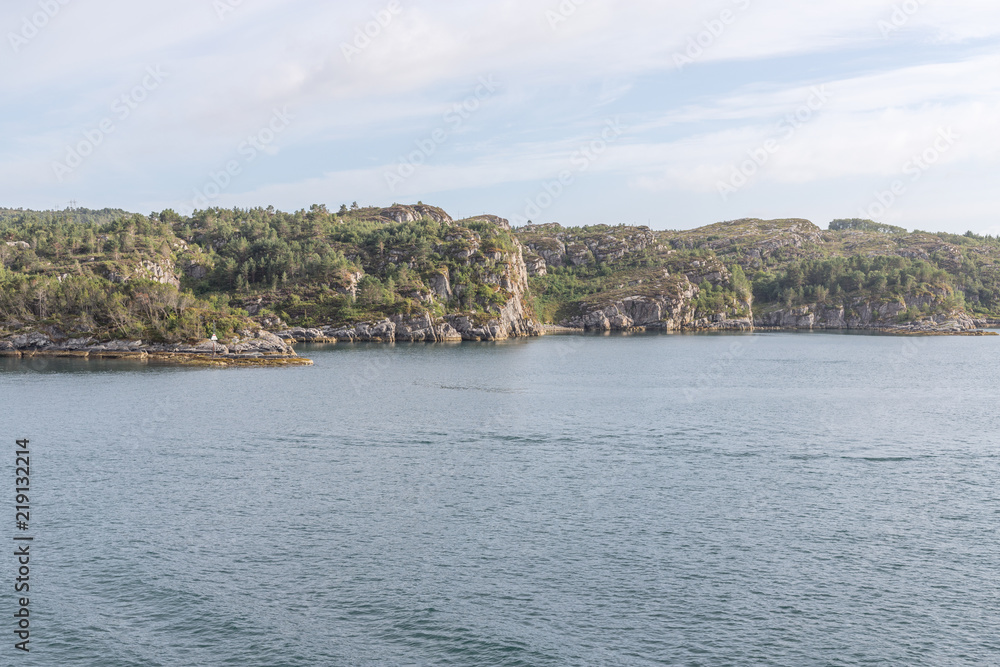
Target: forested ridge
164, 276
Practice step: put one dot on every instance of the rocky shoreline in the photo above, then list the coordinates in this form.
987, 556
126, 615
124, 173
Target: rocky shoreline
662, 313
266, 349
556, 329
423, 329
387, 332
894, 331
259, 348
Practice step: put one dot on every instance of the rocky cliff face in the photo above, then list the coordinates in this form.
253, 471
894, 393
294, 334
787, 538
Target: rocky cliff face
513, 319
865, 315
666, 302
552, 246
503, 271
669, 307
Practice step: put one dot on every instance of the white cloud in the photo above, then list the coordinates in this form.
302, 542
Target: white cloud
870, 126
559, 81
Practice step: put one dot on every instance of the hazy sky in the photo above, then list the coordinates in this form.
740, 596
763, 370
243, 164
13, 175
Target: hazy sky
669, 113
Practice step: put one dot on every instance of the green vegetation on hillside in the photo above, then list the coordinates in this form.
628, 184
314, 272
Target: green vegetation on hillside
785, 263
857, 224
841, 280
794, 262
165, 276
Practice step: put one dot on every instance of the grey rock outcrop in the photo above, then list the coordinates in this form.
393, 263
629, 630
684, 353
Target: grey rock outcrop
440, 285
195, 271
670, 308
162, 272
665, 302
866, 315
402, 214
551, 246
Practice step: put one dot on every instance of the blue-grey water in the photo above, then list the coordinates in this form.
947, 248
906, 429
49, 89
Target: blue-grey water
773, 499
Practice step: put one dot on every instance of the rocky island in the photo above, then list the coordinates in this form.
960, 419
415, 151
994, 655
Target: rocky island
112, 284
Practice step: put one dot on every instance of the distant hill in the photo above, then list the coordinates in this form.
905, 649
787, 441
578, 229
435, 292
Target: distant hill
858, 274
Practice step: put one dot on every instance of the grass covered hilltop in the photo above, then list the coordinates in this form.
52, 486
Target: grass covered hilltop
111, 281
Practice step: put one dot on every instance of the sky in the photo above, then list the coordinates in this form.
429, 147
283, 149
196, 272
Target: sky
673, 114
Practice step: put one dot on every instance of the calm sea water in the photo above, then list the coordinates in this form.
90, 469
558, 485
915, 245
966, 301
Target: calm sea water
773, 499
